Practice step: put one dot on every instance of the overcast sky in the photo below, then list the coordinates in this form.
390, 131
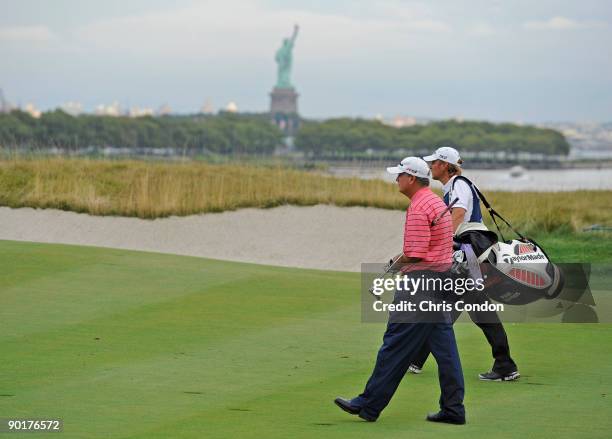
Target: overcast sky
515, 60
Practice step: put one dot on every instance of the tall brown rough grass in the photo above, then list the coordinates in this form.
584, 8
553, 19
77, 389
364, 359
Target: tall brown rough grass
152, 190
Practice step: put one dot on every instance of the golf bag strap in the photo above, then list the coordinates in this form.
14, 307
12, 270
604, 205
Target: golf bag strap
492, 212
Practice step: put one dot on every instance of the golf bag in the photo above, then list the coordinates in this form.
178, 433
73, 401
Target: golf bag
517, 271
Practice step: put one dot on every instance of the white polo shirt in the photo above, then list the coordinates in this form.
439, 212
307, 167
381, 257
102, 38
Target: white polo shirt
464, 193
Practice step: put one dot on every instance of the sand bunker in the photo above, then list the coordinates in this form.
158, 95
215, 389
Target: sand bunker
324, 237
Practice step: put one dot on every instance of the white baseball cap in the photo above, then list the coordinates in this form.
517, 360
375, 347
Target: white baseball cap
413, 166
446, 154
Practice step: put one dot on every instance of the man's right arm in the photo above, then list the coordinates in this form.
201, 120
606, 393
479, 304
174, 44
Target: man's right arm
458, 217
403, 259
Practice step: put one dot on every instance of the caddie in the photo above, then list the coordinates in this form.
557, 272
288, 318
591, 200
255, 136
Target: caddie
445, 164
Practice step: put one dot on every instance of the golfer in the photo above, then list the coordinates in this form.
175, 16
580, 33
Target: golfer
427, 251
445, 165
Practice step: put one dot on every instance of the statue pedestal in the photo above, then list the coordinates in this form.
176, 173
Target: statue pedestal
284, 110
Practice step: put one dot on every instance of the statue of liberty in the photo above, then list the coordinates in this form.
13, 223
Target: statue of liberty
284, 59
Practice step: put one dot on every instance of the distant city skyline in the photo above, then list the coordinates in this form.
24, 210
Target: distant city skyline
116, 108
517, 61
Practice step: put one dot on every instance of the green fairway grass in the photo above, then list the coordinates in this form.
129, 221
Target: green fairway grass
143, 345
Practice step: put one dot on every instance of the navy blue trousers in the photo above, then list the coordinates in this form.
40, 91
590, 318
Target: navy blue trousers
401, 343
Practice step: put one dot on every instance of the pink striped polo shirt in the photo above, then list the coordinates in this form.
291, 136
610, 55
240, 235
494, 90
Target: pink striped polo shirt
433, 244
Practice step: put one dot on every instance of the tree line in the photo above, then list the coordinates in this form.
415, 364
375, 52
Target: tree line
225, 133
337, 136
228, 133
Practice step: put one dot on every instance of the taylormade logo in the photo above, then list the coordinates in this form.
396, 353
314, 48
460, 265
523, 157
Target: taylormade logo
527, 257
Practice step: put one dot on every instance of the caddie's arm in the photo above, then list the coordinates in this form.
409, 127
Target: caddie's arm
457, 214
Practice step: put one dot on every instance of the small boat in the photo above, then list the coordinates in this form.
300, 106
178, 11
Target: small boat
517, 171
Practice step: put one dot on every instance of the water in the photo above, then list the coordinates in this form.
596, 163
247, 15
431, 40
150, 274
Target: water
539, 180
